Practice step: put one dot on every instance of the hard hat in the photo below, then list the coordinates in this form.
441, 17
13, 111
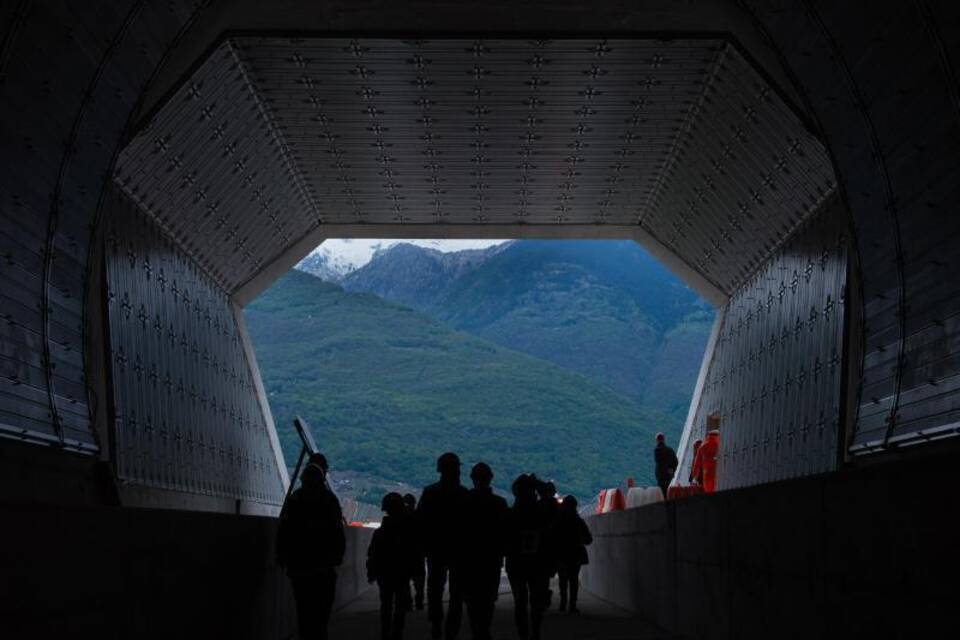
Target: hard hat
482, 471
450, 461
392, 502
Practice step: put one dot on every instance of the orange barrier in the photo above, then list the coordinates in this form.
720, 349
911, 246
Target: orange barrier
600, 500
611, 500
619, 502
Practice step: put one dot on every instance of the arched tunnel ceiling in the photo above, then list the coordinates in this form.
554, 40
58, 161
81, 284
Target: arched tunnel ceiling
272, 138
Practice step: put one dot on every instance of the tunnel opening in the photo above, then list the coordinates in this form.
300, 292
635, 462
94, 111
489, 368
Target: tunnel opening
272, 144
559, 357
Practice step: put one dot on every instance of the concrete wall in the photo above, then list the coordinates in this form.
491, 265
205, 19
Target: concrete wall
142, 573
857, 553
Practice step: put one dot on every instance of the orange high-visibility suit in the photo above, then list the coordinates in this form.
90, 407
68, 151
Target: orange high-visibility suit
705, 462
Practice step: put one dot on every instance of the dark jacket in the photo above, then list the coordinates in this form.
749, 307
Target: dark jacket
571, 536
392, 554
549, 512
485, 527
666, 462
440, 514
527, 548
310, 537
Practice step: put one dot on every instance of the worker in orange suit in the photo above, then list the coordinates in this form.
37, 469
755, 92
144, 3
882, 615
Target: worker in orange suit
705, 461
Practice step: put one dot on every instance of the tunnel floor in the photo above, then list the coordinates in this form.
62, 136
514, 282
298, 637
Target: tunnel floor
597, 619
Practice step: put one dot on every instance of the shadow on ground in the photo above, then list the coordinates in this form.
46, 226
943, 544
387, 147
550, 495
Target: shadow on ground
597, 620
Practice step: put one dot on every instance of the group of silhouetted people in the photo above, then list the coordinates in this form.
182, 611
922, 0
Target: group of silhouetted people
463, 536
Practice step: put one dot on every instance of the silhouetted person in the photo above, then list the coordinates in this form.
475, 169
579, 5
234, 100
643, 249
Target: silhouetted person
547, 499
310, 545
698, 478
485, 528
441, 512
527, 561
549, 507
419, 575
572, 536
705, 463
390, 562
665, 460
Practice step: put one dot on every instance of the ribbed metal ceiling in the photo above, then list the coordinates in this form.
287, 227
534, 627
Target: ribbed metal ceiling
274, 136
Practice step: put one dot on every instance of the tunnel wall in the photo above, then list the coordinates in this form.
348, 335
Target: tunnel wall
818, 557
776, 372
70, 77
883, 83
185, 411
141, 573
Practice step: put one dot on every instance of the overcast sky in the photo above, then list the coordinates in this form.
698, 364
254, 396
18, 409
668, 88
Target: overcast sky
358, 252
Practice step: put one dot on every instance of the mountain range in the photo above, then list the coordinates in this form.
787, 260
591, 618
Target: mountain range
337, 257
605, 309
562, 357
386, 389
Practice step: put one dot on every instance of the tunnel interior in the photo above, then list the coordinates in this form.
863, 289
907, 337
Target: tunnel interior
794, 164
270, 140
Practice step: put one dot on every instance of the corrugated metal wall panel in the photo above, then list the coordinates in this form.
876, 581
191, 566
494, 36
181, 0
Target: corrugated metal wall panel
775, 376
884, 85
212, 172
186, 413
273, 136
72, 73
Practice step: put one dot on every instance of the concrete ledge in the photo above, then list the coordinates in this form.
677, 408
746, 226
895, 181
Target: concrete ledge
103, 572
861, 552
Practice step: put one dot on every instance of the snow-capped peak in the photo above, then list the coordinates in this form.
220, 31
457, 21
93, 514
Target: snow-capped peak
335, 259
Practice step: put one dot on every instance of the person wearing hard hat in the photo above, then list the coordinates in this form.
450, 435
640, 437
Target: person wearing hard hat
528, 559
310, 546
705, 462
485, 539
665, 462
391, 557
441, 513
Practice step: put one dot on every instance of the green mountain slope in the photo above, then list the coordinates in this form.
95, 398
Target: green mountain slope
604, 309
387, 389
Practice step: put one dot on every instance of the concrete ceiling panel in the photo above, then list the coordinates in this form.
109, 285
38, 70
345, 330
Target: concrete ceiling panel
274, 139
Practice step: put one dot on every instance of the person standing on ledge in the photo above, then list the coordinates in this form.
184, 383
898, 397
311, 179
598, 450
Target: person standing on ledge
310, 546
665, 460
705, 462
441, 514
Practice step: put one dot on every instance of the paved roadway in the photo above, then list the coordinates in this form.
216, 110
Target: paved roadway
598, 620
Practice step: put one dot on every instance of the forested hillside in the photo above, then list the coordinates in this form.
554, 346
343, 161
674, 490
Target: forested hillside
387, 389
605, 309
